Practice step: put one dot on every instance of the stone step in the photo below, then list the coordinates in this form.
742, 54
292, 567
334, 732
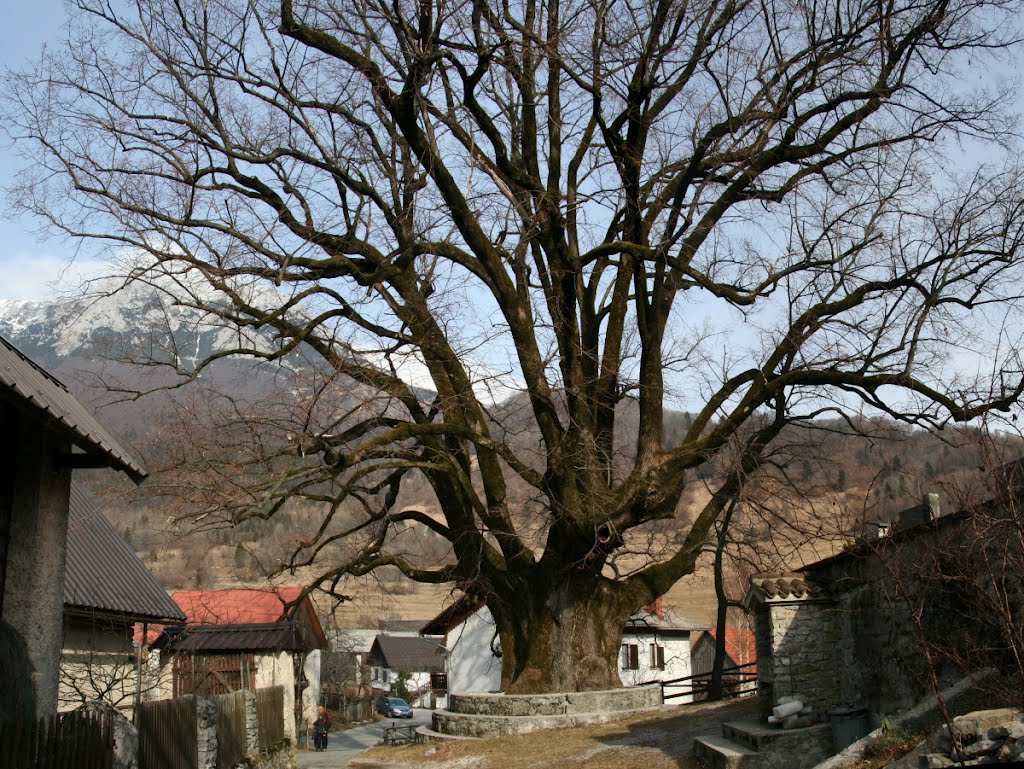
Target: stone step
429, 734
722, 753
759, 736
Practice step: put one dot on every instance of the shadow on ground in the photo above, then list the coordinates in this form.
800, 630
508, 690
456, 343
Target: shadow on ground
669, 740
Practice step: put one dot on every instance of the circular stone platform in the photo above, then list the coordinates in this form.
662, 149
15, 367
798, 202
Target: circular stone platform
503, 715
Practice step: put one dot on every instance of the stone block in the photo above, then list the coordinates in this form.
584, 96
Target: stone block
981, 748
934, 761
980, 721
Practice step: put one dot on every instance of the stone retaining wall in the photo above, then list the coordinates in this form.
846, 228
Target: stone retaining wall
566, 703
500, 715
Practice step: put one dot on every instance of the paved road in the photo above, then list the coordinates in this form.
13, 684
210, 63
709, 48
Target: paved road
345, 744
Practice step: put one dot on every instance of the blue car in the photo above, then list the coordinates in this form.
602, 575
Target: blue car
394, 707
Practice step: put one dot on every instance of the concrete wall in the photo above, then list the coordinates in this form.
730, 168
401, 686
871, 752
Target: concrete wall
677, 656
311, 694
34, 584
97, 663
277, 669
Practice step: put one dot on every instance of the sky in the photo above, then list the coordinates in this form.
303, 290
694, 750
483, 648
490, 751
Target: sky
30, 262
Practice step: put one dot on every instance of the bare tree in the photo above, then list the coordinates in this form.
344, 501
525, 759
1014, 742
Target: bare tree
617, 206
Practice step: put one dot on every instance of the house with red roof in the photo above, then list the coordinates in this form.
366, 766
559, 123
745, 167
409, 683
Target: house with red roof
244, 638
740, 650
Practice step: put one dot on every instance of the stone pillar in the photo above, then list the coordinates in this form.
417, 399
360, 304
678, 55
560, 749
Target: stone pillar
33, 600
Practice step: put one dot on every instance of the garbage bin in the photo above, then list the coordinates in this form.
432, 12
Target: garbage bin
849, 724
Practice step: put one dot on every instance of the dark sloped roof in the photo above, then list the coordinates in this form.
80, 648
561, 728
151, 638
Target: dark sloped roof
668, 622
28, 384
263, 636
406, 654
452, 616
400, 625
104, 574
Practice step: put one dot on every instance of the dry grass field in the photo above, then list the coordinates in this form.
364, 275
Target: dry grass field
660, 741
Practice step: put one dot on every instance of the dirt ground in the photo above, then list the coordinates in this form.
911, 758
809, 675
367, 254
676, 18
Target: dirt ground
663, 740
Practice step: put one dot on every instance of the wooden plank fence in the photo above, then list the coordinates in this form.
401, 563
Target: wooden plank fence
168, 737
270, 716
232, 744
82, 739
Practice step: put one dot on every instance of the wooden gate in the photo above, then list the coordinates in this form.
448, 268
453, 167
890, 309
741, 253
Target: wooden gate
211, 675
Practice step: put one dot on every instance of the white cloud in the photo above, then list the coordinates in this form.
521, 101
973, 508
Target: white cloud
45, 277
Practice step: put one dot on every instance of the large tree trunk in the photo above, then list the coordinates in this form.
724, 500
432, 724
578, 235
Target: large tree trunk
561, 635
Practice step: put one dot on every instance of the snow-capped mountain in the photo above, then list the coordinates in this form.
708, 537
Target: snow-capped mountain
142, 322
138, 321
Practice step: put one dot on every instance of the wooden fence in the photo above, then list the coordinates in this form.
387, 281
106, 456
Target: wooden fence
270, 716
232, 742
736, 682
168, 736
80, 739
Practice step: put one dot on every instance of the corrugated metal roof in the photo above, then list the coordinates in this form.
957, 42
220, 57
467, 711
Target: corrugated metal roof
266, 636
29, 384
406, 654
103, 573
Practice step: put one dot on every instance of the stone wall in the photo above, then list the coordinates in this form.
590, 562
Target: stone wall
804, 636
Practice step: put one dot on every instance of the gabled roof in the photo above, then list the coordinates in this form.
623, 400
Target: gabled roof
740, 645
29, 386
667, 622
271, 636
400, 625
452, 616
406, 654
237, 607
103, 573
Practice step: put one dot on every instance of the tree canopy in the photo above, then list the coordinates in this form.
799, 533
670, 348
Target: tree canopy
612, 207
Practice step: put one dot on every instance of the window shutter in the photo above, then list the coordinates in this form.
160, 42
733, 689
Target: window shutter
661, 657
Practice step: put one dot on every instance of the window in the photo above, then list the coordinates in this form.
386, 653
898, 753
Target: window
630, 657
657, 657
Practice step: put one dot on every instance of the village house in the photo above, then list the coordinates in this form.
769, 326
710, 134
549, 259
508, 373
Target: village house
244, 638
420, 659
46, 435
655, 647
740, 651
108, 591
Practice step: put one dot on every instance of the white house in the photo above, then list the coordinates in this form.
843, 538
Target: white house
422, 660
655, 647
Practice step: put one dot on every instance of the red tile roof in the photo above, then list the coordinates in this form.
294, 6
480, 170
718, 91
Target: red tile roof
236, 606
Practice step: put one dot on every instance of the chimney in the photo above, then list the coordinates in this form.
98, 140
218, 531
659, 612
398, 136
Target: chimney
875, 530
656, 608
928, 510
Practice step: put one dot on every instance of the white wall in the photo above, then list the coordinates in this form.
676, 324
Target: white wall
277, 670
311, 694
472, 665
677, 661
